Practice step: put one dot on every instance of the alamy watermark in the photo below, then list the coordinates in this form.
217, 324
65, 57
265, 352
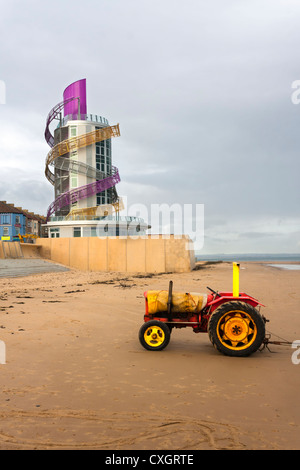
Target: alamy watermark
296, 354
295, 96
159, 220
2, 92
2, 353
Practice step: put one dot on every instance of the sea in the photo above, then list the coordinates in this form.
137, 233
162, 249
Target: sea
290, 261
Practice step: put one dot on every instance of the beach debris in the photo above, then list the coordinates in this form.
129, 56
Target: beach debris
73, 291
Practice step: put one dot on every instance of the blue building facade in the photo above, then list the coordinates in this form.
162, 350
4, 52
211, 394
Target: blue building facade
12, 223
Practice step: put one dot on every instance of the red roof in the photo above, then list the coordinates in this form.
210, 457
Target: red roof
7, 209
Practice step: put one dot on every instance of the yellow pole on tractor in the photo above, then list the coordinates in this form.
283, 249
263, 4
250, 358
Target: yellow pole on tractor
236, 280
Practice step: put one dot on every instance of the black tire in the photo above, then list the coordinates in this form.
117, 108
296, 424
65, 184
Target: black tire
236, 329
154, 335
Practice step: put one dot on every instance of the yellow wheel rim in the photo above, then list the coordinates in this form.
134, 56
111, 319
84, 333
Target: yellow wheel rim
154, 336
236, 330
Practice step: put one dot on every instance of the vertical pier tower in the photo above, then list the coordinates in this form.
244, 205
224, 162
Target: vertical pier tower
79, 166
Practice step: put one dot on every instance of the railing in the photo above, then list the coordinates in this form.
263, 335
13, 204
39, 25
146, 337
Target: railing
82, 192
77, 142
129, 219
84, 117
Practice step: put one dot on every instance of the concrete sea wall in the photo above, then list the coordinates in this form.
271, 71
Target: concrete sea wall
143, 254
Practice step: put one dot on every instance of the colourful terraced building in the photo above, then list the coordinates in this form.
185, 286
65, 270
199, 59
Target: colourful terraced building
12, 222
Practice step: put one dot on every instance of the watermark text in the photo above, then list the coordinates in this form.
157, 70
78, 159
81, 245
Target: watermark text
2, 353
2, 92
295, 97
159, 220
296, 354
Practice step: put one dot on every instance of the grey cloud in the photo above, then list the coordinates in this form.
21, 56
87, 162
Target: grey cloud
201, 91
255, 235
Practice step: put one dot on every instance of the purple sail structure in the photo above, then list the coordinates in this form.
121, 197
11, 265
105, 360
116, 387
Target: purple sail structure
74, 97
75, 107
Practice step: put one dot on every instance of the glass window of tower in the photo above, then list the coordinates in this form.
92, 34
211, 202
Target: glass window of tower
77, 231
101, 198
74, 180
102, 161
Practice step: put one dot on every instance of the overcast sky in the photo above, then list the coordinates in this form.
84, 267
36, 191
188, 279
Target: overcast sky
202, 91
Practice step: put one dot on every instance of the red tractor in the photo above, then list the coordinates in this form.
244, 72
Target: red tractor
232, 320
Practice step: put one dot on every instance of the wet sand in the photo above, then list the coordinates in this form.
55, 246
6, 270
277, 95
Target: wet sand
77, 377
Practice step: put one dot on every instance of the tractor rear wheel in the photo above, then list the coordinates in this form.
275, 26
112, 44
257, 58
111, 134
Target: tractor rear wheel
236, 329
154, 335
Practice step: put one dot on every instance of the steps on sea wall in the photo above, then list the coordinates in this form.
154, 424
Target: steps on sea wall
10, 250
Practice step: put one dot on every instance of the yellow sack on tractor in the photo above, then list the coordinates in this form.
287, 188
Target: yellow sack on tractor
181, 302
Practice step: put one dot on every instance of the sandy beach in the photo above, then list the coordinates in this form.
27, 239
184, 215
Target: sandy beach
76, 376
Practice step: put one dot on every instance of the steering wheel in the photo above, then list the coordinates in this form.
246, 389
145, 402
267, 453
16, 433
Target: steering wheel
213, 291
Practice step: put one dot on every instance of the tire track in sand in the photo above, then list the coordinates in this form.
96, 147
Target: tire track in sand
63, 429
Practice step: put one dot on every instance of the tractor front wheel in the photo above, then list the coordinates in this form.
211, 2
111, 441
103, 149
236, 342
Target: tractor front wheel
236, 329
154, 335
